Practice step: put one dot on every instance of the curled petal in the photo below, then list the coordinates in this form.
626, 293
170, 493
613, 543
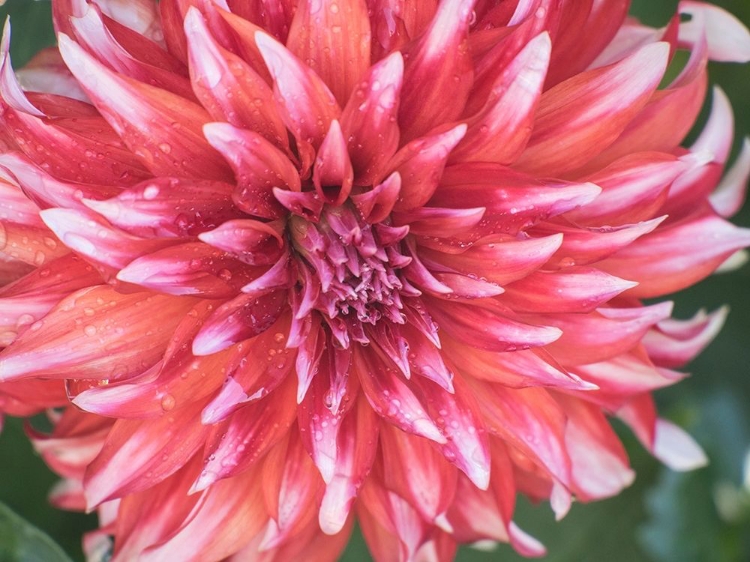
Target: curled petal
258, 166
728, 39
241, 318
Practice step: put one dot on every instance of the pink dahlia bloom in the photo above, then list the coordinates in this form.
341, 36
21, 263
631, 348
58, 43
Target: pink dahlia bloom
276, 266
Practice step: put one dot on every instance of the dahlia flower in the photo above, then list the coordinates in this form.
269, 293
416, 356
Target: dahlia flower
276, 267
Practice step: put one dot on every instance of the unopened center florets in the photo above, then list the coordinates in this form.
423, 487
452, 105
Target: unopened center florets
350, 268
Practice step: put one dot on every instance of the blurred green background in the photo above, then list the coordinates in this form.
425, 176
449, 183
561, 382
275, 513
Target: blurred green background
703, 516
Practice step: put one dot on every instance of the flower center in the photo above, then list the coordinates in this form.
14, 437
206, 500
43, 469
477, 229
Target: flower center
349, 269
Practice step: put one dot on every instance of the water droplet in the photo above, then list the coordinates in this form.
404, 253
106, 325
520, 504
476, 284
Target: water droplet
167, 402
90, 330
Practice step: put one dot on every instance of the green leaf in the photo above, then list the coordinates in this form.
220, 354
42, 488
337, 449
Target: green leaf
22, 542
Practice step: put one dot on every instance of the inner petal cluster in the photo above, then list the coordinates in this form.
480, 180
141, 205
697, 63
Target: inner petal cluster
350, 271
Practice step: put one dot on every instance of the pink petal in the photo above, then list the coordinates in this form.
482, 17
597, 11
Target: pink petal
145, 118
227, 87
598, 460
660, 269
370, 113
519, 257
520, 369
257, 368
597, 336
251, 241
194, 268
573, 289
47, 191
486, 324
97, 241
30, 298
227, 516
530, 420
512, 200
500, 130
92, 34
241, 318
356, 448
375, 205
437, 68
168, 207
634, 188
673, 343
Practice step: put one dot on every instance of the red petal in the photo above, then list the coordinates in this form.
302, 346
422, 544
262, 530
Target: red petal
139, 454
229, 88
96, 333
420, 165
333, 38
392, 398
246, 436
307, 106
417, 472
371, 114
332, 174
258, 166
579, 118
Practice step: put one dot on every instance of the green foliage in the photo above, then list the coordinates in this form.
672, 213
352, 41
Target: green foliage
20, 541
